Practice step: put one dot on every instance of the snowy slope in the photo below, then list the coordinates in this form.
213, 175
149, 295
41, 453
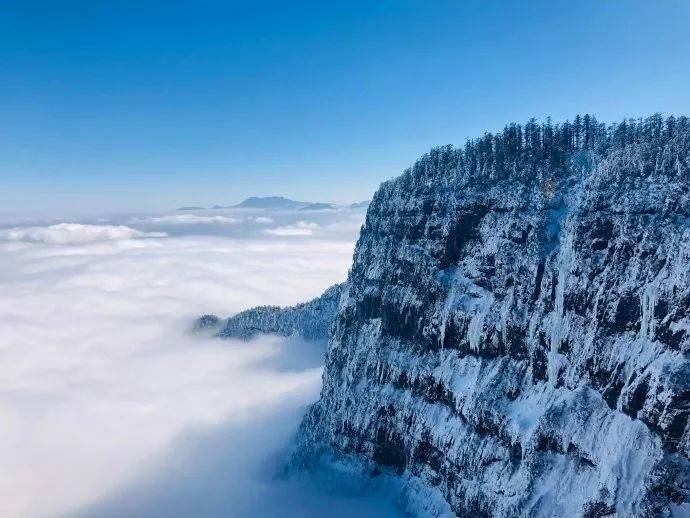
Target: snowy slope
309, 320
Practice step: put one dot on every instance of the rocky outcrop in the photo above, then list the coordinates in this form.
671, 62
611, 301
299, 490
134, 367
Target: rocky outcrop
309, 320
513, 338
206, 323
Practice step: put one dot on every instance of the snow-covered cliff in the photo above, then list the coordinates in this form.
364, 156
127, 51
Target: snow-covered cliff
513, 336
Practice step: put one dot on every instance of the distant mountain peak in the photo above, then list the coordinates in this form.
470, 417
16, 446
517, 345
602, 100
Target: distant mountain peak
280, 203
271, 202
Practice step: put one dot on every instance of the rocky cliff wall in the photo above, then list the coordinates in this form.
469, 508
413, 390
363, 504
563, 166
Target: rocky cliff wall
513, 336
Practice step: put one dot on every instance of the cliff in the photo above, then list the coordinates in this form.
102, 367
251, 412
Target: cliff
512, 338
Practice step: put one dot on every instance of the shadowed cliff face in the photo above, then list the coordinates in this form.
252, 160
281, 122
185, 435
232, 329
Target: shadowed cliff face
513, 338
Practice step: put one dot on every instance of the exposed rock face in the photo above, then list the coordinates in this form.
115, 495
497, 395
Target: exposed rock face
513, 338
309, 320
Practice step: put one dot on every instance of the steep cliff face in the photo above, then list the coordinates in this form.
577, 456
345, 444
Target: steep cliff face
513, 338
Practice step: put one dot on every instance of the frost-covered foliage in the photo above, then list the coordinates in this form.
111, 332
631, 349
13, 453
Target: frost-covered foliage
513, 338
309, 320
207, 323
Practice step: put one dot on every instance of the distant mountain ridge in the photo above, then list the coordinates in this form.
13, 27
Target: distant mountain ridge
271, 202
279, 203
310, 320
320, 206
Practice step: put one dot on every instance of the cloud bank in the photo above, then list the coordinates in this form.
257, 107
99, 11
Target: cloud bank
189, 219
110, 408
301, 228
74, 234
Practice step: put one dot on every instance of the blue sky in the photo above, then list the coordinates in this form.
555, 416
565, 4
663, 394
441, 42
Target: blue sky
118, 106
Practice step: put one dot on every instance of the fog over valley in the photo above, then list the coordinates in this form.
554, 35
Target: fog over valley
109, 405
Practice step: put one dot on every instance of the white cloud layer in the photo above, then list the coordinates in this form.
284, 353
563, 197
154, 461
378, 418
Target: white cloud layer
188, 219
301, 228
101, 385
73, 233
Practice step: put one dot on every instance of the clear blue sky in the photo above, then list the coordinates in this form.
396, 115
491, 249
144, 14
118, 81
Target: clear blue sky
150, 105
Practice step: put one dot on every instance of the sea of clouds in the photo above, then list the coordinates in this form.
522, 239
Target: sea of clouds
109, 406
